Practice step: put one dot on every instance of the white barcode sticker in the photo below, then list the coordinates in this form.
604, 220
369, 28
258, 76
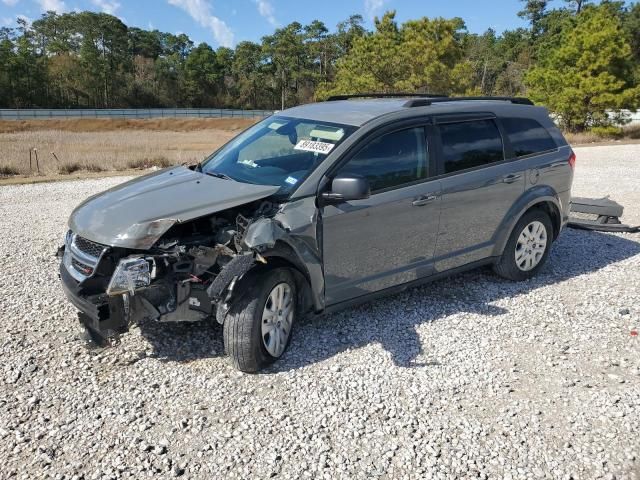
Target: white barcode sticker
311, 146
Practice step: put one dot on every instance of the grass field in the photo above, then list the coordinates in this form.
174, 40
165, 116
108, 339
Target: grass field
95, 145
89, 147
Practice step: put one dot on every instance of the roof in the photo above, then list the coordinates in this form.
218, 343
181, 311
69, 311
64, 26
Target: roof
358, 112
350, 112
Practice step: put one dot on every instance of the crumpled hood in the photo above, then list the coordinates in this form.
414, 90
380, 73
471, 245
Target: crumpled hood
136, 213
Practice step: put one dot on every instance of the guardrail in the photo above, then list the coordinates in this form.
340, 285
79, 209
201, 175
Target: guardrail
115, 113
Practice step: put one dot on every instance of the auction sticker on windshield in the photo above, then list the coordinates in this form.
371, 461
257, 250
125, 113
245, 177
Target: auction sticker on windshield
312, 146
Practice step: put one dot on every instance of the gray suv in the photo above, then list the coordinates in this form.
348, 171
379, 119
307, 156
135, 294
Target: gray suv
319, 207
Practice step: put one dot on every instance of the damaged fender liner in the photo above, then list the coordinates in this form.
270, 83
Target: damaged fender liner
236, 268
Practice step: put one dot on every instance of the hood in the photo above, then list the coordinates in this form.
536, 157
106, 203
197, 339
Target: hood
135, 214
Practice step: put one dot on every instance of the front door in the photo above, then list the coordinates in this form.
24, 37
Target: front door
389, 238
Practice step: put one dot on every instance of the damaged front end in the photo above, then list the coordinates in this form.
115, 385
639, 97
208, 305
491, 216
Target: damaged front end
187, 275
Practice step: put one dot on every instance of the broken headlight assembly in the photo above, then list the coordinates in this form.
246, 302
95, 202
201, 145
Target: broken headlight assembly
130, 275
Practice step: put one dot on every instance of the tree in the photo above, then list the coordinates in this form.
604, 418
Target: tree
632, 28
284, 51
248, 72
588, 73
534, 11
202, 75
577, 4
422, 55
347, 32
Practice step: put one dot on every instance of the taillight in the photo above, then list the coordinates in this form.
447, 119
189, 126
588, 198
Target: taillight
572, 160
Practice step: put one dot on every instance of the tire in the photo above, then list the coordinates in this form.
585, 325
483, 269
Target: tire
245, 340
536, 222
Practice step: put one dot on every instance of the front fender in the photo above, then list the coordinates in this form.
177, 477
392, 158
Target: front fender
298, 246
536, 195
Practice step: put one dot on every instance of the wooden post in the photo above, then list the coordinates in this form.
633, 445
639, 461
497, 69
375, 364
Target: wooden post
35, 150
30, 154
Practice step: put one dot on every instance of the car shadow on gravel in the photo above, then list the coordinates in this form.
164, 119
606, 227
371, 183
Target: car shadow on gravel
183, 342
392, 320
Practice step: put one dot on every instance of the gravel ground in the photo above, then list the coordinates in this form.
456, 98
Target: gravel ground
467, 377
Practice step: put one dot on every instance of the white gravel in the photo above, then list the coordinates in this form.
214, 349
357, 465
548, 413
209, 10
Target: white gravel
467, 377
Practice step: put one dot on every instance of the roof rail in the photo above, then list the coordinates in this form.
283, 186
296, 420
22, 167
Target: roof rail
333, 98
423, 102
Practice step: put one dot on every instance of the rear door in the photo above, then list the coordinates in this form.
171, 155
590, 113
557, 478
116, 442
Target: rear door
389, 238
479, 186
533, 144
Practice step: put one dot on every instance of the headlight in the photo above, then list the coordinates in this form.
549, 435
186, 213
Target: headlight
146, 234
130, 275
68, 238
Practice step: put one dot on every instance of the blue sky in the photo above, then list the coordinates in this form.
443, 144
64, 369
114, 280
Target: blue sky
227, 22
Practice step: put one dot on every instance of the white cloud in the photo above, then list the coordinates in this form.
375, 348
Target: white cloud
6, 21
267, 11
10, 3
53, 5
107, 6
373, 7
200, 11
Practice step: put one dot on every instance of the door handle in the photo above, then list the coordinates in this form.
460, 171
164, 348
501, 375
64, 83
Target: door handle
511, 178
423, 200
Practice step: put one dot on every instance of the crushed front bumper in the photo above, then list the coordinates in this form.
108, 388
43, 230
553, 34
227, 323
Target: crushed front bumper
105, 317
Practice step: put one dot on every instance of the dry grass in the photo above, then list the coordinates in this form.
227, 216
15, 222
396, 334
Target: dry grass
141, 163
8, 171
107, 125
629, 134
66, 152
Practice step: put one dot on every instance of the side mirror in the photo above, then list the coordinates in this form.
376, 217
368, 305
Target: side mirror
347, 187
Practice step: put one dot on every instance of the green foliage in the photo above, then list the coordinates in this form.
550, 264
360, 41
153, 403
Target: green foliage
420, 55
580, 60
608, 131
588, 73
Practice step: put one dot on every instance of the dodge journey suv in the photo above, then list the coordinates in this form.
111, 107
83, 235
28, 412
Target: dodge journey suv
319, 207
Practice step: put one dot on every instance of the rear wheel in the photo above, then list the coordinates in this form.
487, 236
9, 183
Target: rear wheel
528, 247
258, 328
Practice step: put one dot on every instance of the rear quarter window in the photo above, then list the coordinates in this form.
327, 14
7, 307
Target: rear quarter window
527, 136
470, 144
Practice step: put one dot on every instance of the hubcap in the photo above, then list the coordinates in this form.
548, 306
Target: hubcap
531, 245
277, 318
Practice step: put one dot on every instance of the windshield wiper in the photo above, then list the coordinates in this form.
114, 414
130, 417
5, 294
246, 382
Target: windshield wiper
218, 175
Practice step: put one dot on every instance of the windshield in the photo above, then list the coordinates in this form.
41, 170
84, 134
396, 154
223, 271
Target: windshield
278, 151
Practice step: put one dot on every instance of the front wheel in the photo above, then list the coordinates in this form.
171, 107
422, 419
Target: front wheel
528, 247
257, 329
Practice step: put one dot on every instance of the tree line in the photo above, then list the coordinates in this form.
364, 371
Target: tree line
582, 61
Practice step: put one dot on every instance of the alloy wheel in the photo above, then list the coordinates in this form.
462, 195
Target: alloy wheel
531, 246
277, 318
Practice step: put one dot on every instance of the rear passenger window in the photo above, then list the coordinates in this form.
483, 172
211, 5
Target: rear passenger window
527, 136
470, 144
391, 160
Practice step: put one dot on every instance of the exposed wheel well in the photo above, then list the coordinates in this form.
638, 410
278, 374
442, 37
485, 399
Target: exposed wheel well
552, 210
302, 281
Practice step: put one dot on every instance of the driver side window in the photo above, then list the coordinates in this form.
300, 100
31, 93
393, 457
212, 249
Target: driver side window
391, 160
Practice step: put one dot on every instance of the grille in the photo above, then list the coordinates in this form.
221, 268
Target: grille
88, 247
